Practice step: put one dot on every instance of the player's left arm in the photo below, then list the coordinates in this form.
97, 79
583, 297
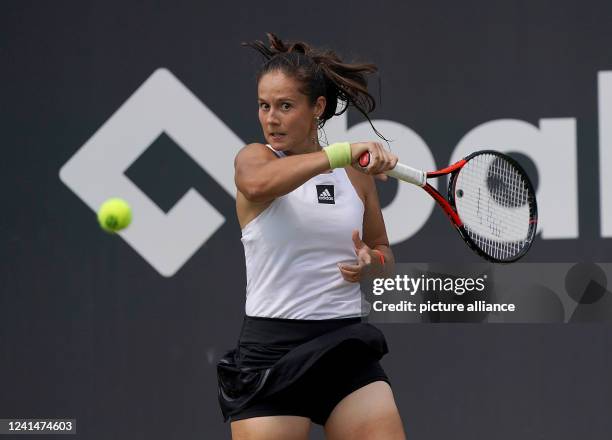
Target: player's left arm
374, 230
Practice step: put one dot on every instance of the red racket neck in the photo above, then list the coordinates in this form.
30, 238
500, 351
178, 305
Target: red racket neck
448, 209
449, 169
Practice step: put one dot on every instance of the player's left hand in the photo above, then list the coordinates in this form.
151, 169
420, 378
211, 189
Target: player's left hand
354, 272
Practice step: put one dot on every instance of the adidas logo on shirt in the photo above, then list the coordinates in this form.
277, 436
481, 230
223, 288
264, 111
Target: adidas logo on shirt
325, 194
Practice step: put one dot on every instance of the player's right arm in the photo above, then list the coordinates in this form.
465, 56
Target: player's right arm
261, 177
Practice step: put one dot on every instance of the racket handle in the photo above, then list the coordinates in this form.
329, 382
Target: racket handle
401, 171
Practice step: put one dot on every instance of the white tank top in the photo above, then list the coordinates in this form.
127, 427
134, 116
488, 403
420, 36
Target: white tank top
292, 249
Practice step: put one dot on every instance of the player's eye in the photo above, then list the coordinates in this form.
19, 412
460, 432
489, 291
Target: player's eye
263, 106
285, 106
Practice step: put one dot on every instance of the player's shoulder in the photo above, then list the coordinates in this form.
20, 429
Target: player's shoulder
254, 151
253, 148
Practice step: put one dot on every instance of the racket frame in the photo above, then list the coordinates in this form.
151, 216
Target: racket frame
453, 170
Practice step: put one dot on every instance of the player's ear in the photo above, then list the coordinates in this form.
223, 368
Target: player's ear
319, 106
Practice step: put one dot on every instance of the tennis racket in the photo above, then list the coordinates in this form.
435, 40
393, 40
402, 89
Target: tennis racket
490, 201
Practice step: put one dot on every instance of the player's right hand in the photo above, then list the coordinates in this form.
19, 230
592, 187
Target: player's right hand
381, 160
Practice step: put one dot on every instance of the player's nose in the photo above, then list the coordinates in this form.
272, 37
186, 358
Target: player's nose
272, 118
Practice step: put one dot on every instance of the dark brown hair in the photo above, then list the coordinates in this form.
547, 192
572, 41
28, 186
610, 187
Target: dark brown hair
322, 73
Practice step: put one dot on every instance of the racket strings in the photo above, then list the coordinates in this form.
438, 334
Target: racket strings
493, 200
504, 189
485, 207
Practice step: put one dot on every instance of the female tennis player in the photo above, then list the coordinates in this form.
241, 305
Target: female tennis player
311, 226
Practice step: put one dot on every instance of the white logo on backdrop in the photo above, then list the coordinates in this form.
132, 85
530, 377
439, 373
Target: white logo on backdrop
162, 104
604, 100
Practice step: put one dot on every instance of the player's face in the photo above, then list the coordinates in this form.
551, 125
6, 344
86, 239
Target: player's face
285, 114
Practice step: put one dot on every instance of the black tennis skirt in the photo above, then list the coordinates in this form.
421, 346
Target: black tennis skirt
272, 355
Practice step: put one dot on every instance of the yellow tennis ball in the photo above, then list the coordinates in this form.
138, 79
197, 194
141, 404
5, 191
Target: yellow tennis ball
114, 215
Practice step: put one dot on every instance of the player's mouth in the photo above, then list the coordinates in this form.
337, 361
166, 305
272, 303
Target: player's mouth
277, 136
